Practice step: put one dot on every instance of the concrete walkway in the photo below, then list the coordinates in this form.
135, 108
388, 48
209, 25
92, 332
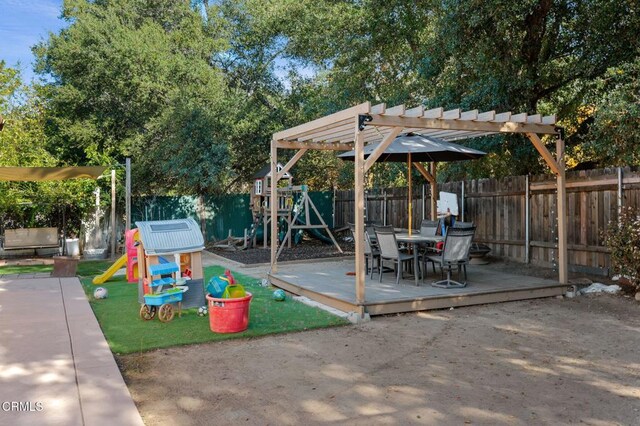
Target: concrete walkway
55, 365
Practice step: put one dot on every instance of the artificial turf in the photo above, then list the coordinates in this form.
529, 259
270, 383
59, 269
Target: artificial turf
118, 315
125, 332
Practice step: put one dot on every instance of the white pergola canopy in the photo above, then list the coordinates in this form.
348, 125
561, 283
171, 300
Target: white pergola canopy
362, 124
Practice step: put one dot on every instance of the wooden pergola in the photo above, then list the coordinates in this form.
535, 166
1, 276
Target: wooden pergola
355, 127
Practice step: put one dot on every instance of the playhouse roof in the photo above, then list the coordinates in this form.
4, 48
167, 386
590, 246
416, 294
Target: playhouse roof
170, 236
266, 171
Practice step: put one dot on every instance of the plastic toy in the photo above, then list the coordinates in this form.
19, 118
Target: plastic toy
279, 295
160, 300
202, 311
100, 293
117, 265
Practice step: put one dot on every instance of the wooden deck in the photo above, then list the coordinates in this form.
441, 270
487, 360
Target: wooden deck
328, 283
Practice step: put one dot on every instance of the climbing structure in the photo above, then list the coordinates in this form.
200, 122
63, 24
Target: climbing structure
293, 212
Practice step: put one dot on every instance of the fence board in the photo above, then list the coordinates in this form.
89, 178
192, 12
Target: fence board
497, 206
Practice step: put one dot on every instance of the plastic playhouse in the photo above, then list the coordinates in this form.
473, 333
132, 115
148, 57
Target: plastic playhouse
169, 263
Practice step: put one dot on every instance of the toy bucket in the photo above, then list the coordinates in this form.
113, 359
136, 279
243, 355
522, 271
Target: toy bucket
229, 315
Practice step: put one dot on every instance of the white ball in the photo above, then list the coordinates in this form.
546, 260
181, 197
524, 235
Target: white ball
100, 293
202, 311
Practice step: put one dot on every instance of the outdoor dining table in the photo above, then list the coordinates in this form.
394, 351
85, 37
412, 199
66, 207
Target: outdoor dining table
414, 239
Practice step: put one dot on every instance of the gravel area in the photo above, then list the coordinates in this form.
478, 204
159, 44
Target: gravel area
308, 249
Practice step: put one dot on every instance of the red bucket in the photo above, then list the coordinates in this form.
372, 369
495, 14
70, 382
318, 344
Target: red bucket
229, 315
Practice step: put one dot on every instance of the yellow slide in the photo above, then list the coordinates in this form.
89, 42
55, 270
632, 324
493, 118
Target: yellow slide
118, 264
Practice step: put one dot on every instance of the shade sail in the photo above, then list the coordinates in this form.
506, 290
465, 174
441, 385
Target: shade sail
422, 149
25, 174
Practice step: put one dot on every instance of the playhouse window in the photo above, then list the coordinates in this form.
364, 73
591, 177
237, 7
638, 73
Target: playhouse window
258, 187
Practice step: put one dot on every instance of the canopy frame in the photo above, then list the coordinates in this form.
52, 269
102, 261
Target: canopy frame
354, 127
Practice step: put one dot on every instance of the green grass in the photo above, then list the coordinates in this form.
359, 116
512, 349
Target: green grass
25, 269
118, 315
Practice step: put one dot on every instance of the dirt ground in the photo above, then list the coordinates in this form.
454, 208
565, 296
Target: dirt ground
309, 249
546, 361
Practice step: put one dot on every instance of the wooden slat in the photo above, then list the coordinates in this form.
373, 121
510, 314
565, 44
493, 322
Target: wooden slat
379, 108
452, 114
486, 116
469, 115
396, 110
536, 118
503, 117
433, 113
414, 112
519, 118
549, 119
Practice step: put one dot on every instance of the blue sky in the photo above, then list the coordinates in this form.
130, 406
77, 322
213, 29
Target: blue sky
23, 23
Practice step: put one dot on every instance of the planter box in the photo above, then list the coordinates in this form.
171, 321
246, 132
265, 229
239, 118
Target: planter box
64, 266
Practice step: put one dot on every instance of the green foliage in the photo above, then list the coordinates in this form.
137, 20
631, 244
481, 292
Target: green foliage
33, 204
623, 239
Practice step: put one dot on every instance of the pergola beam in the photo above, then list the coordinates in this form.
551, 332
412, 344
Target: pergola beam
373, 157
446, 124
315, 146
544, 152
327, 120
290, 163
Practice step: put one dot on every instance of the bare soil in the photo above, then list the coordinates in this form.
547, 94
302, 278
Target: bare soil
546, 361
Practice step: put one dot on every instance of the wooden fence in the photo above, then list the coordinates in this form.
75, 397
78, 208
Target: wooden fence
517, 216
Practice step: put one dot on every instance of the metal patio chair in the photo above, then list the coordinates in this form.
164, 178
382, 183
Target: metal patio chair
371, 251
457, 244
389, 251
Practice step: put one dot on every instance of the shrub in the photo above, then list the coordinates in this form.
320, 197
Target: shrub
623, 239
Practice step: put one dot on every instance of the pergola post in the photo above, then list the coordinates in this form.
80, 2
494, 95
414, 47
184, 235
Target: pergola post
359, 216
273, 205
562, 213
558, 167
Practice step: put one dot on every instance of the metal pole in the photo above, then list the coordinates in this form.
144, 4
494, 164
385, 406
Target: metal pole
423, 199
128, 192
384, 209
113, 214
619, 193
462, 202
527, 220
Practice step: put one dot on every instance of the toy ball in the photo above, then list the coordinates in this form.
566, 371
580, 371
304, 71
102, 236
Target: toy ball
100, 293
279, 295
202, 311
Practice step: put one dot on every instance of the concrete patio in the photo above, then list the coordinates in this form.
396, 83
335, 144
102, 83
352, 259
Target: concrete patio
55, 365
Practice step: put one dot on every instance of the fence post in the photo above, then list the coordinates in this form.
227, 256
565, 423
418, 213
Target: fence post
527, 220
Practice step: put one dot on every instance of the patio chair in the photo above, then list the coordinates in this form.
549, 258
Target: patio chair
457, 244
429, 228
389, 251
458, 224
371, 253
